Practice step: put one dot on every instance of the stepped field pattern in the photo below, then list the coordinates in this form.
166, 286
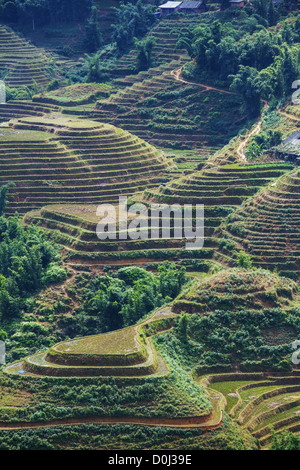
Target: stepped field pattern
211, 367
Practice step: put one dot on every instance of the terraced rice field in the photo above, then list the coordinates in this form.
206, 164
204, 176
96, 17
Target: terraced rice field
20, 108
69, 150
221, 190
73, 95
69, 162
121, 353
268, 225
24, 63
166, 35
166, 112
240, 289
260, 401
76, 230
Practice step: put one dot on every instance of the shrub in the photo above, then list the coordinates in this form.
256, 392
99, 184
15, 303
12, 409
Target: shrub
54, 274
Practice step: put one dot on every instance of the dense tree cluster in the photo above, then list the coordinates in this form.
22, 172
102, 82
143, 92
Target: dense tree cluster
26, 264
93, 38
132, 21
39, 12
255, 61
121, 299
263, 142
248, 339
144, 53
285, 440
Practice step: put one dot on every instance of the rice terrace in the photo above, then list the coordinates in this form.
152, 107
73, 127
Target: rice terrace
117, 333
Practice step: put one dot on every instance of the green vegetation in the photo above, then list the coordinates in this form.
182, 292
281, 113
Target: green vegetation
141, 343
132, 21
121, 299
236, 288
240, 49
285, 441
28, 262
107, 437
234, 323
41, 11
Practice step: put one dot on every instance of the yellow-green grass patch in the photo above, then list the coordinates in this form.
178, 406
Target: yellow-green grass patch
123, 341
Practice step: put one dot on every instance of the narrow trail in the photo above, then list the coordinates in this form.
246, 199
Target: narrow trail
177, 75
241, 149
243, 144
289, 116
179, 423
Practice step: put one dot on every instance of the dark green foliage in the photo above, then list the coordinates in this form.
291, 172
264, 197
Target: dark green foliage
285, 441
132, 21
263, 142
239, 49
96, 73
183, 326
25, 255
248, 339
116, 300
3, 197
244, 260
93, 37
40, 12
129, 437
3, 335
144, 55
245, 83
54, 85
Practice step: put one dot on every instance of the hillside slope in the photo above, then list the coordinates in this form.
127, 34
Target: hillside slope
58, 160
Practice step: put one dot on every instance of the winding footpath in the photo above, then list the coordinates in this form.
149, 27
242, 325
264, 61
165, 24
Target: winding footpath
241, 149
206, 423
177, 75
255, 131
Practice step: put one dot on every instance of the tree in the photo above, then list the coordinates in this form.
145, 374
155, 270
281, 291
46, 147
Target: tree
96, 73
183, 327
253, 151
144, 55
244, 260
93, 37
10, 11
285, 441
132, 21
33, 8
245, 83
3, 196
289, 67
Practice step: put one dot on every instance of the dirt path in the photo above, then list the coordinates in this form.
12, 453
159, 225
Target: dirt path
243, 144
241, 149
177, 75
289, 116
202, 422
